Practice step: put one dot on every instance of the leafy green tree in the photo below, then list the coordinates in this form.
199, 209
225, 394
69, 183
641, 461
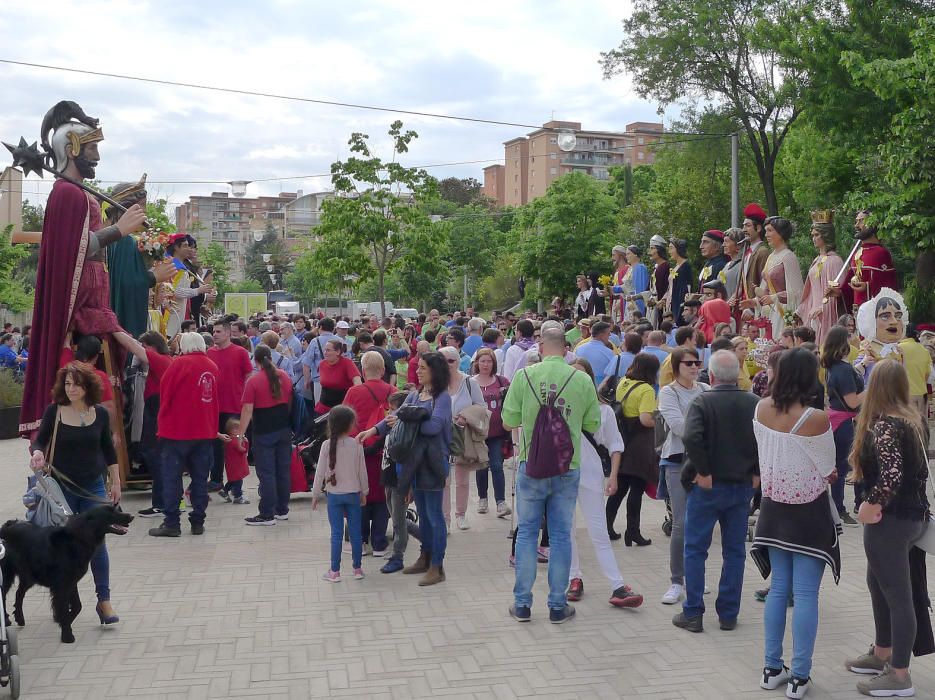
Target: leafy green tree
13, 292
255, 267
216, 258
461, 191
33, 216
903, 201
721, 52
157, 215
377, 221
567, 231
27, 266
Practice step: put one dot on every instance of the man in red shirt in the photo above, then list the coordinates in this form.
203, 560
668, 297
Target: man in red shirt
234, 367
188, 420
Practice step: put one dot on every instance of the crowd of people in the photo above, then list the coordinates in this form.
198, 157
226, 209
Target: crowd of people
645, 391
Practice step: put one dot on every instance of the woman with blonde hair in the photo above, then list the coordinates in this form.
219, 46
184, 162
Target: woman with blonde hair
889, 457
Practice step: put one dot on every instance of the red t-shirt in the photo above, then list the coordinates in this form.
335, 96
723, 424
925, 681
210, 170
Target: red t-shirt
188, 399
234, 367
335, 380
235, 460
257, 390
411, 375
158, 364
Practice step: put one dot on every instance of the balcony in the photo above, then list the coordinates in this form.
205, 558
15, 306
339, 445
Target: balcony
589, 162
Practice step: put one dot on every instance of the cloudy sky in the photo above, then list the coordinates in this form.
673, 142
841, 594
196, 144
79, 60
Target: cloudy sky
517, 61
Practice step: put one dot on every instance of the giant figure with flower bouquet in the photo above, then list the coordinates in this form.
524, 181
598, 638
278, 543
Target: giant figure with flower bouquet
136, 263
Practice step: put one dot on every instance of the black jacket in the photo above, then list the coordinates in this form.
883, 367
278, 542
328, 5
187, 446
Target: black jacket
718, 436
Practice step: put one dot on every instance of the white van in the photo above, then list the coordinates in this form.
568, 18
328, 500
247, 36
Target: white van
408, 314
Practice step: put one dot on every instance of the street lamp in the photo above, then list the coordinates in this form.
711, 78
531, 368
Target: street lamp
258, 236
267, 257
269, 268
566, 139
239, 187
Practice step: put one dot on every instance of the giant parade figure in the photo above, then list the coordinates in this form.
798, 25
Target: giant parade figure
72, 289
870, 267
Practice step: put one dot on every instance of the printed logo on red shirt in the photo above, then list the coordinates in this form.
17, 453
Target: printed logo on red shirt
206, 385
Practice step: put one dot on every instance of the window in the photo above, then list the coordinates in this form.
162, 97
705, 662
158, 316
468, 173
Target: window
515, 177
553, 156
640, 156
553, 139
553, 171
515, 163
641, 141
532, 174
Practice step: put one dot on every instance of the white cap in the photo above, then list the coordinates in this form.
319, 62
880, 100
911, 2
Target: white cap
342, 324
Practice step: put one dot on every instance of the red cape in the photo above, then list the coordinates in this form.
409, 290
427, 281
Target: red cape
878, 272
66, 215
712, 312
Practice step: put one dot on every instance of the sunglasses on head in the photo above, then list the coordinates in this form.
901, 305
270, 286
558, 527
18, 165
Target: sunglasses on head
692, 363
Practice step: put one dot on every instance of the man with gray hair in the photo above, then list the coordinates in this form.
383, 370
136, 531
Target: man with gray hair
475, 337
721, 473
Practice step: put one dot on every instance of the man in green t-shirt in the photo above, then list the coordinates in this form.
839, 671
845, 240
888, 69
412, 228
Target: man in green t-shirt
532, 387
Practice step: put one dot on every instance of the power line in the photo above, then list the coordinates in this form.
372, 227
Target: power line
269, 95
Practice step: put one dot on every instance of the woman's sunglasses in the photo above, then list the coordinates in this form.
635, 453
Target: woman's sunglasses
692, 363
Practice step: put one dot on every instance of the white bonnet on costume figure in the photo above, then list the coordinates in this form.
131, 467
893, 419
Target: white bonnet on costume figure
867, 313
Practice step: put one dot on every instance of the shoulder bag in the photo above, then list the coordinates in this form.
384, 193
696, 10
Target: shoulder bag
52, 509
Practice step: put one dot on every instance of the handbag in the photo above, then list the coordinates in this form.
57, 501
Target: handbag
927, 541
52, 509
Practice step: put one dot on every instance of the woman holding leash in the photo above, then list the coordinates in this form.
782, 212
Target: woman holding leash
76, 425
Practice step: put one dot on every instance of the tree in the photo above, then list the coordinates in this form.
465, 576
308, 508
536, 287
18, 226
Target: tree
217, 260
33, 216
257, 269
566, 232
377, 221
157, 215
721, 51
461, 191
474, 246
903, 201
13, 292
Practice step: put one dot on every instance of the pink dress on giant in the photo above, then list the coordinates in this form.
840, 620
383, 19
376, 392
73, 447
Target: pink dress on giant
814, 312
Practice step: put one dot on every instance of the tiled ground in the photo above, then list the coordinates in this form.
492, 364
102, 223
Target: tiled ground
243, 612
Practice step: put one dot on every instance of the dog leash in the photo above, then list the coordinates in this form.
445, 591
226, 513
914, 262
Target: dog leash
77, 490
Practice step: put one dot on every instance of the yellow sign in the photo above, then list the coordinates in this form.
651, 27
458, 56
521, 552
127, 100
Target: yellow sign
244, 304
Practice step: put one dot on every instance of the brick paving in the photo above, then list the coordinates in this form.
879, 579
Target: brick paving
243, 613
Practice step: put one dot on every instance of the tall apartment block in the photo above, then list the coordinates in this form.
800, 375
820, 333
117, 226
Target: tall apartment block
533, 162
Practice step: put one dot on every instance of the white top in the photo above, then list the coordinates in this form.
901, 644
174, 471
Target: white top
608, 435
674, 400
793, 468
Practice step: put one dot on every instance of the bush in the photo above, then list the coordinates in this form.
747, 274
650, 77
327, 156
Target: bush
11, 389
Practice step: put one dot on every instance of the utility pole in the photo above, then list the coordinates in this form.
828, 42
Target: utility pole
465, 290
735, 179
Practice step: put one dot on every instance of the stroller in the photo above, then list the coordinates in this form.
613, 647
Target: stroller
9, 661
309, 449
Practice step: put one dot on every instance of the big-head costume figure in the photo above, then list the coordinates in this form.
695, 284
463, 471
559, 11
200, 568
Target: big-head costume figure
882, 322
72, 290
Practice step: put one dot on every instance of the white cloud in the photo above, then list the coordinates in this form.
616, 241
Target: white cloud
518, 61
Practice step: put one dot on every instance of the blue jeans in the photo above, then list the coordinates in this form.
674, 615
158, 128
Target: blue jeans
373, 520
100, 562
729, 506
843, 439
273, 453
800, 574
432, 528
341, 506
151, 448
177, 455
495, 456
555, 498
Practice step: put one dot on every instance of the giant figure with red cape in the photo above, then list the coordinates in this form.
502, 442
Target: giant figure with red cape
72, 288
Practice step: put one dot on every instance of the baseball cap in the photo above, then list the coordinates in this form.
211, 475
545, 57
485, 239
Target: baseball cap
342, 324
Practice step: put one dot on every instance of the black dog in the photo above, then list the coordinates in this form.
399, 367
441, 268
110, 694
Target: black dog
57, 558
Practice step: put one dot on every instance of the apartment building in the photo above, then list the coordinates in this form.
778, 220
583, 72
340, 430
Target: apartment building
535, 161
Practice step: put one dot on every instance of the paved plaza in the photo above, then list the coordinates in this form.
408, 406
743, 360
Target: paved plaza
242, 612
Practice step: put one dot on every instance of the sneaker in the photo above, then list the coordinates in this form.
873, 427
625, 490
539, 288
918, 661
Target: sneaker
775, 677
560, 615
887, 685
542, 555
867, 663
761, 594
575, 590
727, 625
332, 576
366, 550
797, 687
215, 486
692, 624
707, 590
358, 573
150, 513
513, 560
624, 597
847, 519
224, 495
503, 510
198, 528
259, 520
163, 531
182, 506
520, 613
378, 553
284, 516
462, 522
241, 501
674, 595
392, 566
482, 506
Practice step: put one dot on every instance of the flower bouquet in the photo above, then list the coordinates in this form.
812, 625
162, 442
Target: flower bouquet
604, 280
152, 243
